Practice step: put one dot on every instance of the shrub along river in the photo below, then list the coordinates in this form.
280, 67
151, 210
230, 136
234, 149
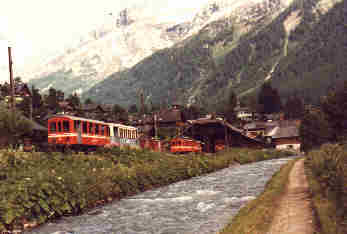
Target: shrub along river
199, 205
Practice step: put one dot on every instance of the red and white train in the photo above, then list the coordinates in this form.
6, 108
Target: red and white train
82, 133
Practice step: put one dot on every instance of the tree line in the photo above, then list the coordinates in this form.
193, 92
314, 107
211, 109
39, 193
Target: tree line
326, 122
323, 123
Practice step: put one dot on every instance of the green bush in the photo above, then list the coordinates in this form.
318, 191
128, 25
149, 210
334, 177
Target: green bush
328, 179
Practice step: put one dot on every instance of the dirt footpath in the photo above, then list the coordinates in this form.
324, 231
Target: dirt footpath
294, 213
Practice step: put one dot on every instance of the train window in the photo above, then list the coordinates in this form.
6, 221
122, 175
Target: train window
97, 129
84, 126
66, 126
76, 124
115, 131
90, 128
102, 130
107, 131
53, 127
59, 126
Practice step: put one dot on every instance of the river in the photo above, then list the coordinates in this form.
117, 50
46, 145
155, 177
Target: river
199, 205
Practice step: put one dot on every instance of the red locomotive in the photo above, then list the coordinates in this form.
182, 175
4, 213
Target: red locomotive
185, 145
76, 132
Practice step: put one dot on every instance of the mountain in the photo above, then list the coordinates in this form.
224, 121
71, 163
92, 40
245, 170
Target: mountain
299, 45
122, 41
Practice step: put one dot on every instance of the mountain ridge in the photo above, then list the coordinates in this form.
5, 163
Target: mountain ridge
224, 58
227, 46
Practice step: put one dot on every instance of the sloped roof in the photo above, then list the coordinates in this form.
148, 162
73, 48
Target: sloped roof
260, 125
224, 123
283, 132
211, 121
170, 115
106, 107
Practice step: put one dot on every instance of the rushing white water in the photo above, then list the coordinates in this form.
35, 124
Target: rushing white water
199, 205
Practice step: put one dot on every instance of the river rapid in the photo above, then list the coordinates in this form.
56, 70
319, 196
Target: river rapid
199, 205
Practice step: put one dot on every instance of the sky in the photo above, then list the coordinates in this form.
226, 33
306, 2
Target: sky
37, 29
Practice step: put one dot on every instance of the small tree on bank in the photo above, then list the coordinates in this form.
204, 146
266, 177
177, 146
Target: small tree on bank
12, 125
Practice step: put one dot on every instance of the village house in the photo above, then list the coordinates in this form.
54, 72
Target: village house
256, 129
285, 135
244, 113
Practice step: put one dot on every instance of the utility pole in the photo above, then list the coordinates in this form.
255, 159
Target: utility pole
155, 127
11, 77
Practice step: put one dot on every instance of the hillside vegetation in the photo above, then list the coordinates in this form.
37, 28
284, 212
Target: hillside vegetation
305, 57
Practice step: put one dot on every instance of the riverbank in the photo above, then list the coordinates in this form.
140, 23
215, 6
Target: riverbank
257, 215
327, 176
37, 187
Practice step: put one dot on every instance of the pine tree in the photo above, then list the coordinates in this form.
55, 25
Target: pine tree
268, 99
294, 108
73, 100
335, 108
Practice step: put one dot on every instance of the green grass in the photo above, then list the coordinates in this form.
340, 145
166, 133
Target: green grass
37, 187
258, 214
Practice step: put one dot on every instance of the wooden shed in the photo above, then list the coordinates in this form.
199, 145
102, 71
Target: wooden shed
217, 134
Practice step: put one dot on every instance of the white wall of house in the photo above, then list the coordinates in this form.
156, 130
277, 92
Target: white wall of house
288, 147
244, 115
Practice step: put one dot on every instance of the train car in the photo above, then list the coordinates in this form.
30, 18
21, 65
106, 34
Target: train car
185, 145
82, 133
71, 131
123, 135
219, 145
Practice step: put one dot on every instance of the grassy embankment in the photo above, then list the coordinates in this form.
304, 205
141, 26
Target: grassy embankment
37, 187
327, 174
258, 214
